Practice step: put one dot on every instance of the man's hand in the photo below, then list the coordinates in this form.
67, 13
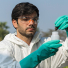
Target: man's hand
62, 23
48, 49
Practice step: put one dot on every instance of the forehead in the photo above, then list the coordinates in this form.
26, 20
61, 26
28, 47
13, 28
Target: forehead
34, 14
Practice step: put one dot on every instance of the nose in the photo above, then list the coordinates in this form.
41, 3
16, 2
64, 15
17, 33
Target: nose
31, 21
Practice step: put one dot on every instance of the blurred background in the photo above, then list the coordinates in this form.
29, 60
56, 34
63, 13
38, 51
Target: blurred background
49, 11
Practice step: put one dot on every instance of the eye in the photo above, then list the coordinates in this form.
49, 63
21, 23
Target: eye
25, 18
35, 19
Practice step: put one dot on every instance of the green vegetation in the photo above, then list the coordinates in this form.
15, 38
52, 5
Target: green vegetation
66, 67
3, 30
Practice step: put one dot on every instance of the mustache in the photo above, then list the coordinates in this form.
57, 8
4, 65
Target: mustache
30, 27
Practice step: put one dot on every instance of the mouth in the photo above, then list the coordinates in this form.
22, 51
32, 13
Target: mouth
31, 29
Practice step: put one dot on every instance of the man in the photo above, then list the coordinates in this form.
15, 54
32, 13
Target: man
26, 48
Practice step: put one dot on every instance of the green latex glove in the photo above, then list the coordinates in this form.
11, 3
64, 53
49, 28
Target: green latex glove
62, 23
44, 51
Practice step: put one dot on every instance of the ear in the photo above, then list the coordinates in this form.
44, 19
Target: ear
14, 22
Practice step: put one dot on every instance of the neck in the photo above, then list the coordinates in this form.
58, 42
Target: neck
24, 38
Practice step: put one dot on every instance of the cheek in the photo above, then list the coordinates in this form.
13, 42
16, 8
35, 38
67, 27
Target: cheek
36, 26
22, 27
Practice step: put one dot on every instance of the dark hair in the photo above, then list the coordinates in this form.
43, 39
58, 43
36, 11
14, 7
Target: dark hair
24, 8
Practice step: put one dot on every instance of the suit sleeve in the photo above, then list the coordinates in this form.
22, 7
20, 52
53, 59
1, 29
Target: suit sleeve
6, 58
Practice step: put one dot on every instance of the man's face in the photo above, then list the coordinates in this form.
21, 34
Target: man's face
27, 25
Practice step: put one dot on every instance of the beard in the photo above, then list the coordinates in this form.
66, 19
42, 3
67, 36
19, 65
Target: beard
27, 34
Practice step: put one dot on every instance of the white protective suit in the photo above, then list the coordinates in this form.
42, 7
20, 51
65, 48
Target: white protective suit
13, 49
